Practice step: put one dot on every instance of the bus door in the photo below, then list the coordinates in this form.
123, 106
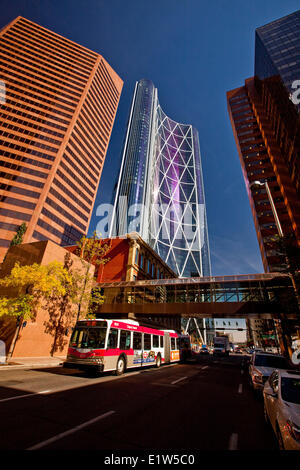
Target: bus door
167, 347
137, 345
148, 353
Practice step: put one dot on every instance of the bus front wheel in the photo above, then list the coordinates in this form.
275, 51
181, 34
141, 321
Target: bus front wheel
120, 366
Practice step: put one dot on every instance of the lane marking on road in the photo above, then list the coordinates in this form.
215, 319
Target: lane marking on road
233, 441
204, 367
70, 431
242, 371
178, 380
161, 384
24, 396
101, 380
240, 390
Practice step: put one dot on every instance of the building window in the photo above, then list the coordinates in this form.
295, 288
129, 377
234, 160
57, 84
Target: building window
142, 261
136, 256
153, 270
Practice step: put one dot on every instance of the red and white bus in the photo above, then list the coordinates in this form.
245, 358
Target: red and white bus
115, 345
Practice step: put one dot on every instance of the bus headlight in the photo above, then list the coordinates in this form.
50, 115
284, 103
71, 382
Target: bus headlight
97, 360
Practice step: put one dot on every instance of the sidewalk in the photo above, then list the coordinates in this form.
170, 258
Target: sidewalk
28, 362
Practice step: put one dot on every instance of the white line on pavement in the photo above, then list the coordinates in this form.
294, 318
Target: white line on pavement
242, 371
240, 390
24, 396
178, 380
204, 367
233, 441
70, 431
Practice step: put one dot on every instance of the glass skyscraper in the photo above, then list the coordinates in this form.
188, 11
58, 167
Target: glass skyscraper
160, 191
277, 50
266, 127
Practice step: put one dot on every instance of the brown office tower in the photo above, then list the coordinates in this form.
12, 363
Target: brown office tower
266, 141
265, 117
57, 108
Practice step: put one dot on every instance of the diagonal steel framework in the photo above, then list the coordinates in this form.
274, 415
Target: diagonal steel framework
176, 179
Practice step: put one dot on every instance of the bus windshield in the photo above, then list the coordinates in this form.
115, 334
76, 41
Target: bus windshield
88, 338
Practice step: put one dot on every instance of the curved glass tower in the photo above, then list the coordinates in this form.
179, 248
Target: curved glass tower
160, 190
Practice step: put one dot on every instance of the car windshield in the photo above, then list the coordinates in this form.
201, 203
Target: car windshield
290, 389
91, 338
271, 361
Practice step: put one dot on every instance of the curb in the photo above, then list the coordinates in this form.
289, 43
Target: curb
28, 364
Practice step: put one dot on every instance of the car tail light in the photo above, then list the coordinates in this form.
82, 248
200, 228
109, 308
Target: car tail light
293, 430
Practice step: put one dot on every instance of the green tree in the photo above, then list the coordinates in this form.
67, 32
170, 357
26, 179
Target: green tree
18, 238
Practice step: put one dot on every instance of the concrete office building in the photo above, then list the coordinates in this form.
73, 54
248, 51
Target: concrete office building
57, 109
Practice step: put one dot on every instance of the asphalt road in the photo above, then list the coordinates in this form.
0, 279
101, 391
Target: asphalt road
205, 405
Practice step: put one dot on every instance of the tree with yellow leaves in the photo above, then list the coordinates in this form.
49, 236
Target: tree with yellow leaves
30, 285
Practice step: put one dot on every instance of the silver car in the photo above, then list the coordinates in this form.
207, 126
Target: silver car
261, 367
282, 407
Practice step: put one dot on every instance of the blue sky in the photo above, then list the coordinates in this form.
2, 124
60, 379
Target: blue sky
193, 51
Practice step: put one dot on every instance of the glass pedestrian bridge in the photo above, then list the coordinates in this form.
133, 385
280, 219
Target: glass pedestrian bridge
266, 295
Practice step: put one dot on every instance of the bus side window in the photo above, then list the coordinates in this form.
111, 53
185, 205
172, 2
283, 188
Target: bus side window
147, 342
161, 341
137, 340
112, 342
125, 339
173, 344
155, 339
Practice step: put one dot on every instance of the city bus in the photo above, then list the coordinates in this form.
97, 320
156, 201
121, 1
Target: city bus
116, 345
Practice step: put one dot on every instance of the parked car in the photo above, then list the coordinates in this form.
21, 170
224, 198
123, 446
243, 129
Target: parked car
261, 366
238, 350
204, 350
282, 407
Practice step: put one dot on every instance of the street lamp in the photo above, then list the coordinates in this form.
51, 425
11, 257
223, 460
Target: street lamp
280, 233
265, 184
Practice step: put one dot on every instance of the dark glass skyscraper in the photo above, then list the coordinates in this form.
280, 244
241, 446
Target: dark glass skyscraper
160, 191
277, 50
266, 124
265, 119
